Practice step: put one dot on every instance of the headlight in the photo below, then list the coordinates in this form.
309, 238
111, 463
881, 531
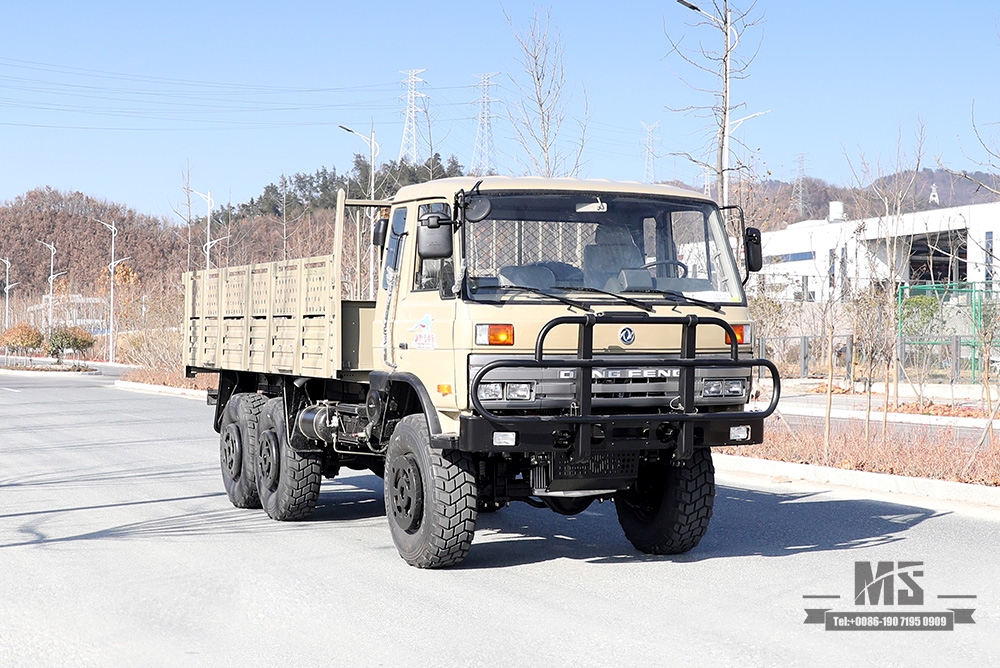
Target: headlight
490, 391
713, 388
740, 433
734, 388
518, 391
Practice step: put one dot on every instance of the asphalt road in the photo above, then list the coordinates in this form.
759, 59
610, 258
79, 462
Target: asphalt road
118, 547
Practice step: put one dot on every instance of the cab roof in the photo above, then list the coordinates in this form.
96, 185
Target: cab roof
448, 187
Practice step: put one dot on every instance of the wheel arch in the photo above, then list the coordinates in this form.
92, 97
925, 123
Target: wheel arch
231, 382
402, 393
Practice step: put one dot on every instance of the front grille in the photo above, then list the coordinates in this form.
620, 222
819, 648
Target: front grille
599, 464
629, 388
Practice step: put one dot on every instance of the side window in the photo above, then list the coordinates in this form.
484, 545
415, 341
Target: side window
393, 249
433, 274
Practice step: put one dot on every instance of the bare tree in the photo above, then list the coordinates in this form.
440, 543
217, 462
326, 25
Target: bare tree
282, 201
991, 147
721, 67
540, 110
184, 211
883, 200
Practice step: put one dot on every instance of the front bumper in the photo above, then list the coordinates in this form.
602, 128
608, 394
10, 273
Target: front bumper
590, 426
607, 433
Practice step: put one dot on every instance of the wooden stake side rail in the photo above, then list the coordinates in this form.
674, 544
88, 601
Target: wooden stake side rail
274, 317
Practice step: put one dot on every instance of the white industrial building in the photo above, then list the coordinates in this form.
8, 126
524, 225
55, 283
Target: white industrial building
823, 260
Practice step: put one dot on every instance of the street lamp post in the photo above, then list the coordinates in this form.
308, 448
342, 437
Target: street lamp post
52, 277
208, 226
373, 149
111, 329
7, 285
208, 247
113, 228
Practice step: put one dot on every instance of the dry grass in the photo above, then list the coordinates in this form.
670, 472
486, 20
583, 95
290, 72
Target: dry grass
57, 368
910, 451
170, 378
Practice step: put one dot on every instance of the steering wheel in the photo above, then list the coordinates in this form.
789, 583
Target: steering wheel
682, 270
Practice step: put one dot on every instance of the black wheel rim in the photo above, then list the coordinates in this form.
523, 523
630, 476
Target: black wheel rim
232, 451
268, 459
407, 502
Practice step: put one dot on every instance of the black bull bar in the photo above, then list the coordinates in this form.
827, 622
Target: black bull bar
686, 416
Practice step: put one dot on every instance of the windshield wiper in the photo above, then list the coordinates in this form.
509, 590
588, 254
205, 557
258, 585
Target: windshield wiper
681, 297
628, 300
537, 291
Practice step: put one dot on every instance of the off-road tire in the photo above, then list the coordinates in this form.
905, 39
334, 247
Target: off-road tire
430, 497
238, 449
288, 481
668, 509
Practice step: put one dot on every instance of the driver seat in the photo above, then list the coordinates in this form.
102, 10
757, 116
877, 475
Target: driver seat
613, 250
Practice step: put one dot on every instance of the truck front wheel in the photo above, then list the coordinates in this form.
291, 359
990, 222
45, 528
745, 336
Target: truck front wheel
430, 497
668, 509
288, 481
237, 448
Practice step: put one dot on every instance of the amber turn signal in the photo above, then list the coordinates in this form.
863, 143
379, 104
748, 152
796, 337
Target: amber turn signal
495, 335
739, 329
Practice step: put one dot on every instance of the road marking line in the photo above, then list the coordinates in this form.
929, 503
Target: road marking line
9, 389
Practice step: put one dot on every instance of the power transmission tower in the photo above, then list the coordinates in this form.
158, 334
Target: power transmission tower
649, 173
484, 152
408, 149
800, 202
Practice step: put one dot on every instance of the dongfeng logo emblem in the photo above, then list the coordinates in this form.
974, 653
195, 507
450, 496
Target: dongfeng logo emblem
627, 336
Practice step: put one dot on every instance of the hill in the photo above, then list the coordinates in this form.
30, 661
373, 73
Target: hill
83, 246
294, 218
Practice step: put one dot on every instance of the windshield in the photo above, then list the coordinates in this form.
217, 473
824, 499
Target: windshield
653, 248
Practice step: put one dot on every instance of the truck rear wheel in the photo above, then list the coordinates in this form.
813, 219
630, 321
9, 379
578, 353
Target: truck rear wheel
237, 449
430, 497
668, 509
288, 481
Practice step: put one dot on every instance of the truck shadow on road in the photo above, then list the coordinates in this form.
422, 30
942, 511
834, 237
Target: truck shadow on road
354, 497
746, 522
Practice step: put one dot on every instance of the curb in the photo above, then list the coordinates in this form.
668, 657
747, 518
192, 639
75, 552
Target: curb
945, 490
807, 410
161, 389
33, 372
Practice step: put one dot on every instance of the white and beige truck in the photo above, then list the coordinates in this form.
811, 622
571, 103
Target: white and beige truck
550, 341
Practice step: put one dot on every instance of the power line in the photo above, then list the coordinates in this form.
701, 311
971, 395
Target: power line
484, 152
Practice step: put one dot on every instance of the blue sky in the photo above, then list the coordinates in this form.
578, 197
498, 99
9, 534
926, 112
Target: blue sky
115, 99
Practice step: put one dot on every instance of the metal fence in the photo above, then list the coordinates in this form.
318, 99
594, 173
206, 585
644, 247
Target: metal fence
954, 359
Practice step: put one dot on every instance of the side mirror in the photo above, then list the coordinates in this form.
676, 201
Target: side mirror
434, 242
478, 208
752, 245
379, 232
434, 220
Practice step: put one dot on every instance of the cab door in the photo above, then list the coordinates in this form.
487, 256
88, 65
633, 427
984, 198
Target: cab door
423, 326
